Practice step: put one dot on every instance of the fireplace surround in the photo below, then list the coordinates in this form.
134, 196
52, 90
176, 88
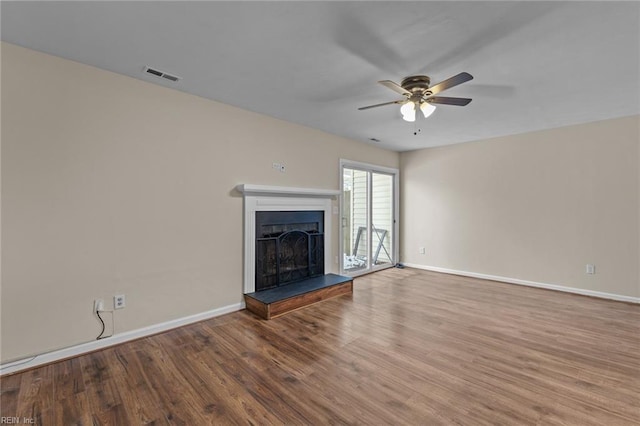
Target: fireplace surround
263, 198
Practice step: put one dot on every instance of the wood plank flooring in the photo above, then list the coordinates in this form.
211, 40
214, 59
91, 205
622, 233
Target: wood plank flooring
408, 347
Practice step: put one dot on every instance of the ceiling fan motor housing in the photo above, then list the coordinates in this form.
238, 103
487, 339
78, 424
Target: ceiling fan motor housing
416, 83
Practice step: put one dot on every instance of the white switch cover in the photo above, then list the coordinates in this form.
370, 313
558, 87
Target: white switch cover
421, 250
591, 269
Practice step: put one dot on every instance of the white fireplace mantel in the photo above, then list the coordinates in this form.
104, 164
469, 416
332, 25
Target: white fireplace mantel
266, 190
281, 198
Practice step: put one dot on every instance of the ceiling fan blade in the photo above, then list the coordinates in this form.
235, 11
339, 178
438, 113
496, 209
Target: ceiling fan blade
401, 101
449, 101
395, 87
507, 20
366, 41
450, 82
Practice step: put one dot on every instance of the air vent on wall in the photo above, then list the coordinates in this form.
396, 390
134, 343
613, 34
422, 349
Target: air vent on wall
161, 74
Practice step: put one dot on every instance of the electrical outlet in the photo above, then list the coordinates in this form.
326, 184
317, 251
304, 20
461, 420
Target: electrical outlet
421, 250
119, 301
98, 305
282, 168
276, 166
591, 269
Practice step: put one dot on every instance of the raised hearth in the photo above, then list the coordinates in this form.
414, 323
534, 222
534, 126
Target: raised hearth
272, 303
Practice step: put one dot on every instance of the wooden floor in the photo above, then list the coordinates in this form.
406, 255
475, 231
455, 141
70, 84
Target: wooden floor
409, 347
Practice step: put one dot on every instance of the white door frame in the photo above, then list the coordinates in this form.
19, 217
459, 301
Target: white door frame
366, 167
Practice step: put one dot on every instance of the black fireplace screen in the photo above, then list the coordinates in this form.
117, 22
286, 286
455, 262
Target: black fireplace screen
289, 247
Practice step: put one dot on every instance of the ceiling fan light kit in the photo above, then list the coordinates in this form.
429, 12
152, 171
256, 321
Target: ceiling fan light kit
419, 95
408, 110
427, 109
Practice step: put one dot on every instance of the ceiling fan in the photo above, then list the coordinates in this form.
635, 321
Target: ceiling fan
418, 95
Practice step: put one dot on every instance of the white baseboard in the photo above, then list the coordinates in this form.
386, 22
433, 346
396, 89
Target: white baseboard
565, 289
116, 339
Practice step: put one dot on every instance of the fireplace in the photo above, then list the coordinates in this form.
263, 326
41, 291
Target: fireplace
262, 199
289, 247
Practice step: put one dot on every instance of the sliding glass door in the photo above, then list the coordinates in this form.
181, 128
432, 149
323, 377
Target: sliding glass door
369, 208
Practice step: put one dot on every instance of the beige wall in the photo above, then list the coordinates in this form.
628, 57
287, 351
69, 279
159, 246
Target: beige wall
536, 206
113, 185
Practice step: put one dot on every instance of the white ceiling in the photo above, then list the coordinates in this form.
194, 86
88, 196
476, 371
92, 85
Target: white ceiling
536, 65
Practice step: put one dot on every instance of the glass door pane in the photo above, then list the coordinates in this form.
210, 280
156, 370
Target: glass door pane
369, 203
382, 203
355, 220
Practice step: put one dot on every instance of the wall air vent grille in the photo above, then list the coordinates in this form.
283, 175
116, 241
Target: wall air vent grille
161, 74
